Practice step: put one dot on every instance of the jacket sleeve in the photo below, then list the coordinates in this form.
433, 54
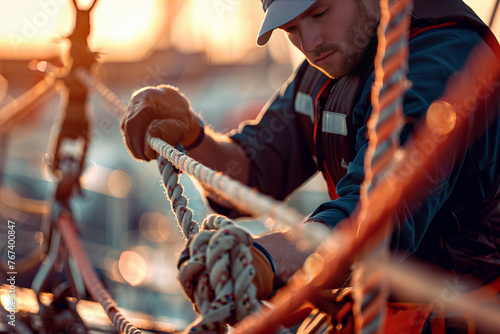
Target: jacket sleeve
435, 57
280, 158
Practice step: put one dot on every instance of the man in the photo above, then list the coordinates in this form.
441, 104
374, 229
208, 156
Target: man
317, 121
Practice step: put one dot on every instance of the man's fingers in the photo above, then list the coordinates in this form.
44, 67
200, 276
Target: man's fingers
171, 130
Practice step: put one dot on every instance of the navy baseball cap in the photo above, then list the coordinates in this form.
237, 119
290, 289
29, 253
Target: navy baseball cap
279, 12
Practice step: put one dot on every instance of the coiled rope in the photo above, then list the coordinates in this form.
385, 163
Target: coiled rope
370, 284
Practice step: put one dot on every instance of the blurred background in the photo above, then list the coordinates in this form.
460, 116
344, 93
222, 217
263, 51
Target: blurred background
206, 48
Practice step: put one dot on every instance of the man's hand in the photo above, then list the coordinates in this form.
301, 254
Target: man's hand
163, 112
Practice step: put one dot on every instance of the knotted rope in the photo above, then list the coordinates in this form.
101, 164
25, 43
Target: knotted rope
384, 128
218, 276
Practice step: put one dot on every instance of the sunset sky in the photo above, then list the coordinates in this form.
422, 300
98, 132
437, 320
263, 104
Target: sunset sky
126, 30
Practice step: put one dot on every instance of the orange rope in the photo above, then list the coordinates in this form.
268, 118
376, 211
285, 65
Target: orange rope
369, 283
92, 282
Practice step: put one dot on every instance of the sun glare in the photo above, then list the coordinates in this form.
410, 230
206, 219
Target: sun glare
126, 30
224, 30
121, 29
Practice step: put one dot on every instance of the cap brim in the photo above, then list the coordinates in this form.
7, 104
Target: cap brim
279, 13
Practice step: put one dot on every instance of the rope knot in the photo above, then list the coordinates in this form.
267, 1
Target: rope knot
217, 277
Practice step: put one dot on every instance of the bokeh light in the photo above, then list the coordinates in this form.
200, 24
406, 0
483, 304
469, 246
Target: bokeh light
90, 176
38, 237
133, 267
224, 30
441, 117
154, 226
119, 184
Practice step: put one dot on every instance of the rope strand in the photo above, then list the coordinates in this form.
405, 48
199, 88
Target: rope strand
174, 192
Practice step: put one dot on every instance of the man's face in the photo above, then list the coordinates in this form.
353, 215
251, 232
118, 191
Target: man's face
334, 34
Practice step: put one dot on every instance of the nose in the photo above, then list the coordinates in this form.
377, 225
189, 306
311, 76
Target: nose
310, 37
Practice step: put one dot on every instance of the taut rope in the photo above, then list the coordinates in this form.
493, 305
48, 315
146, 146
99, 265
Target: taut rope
370, 285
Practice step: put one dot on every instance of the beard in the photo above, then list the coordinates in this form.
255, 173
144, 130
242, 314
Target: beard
359, 35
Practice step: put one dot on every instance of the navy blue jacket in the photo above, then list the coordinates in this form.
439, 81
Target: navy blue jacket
455, 220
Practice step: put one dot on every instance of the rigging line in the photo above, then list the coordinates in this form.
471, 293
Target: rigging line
427, 285
241, 196
90, 278
27, 103
390, 76
493, 13
118, 107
